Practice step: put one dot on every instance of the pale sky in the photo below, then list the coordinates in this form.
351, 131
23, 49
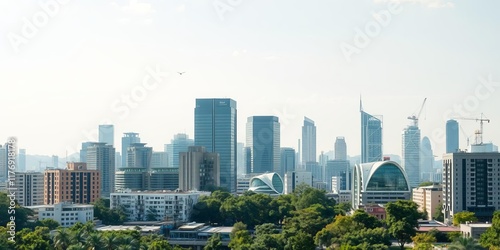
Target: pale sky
69, 66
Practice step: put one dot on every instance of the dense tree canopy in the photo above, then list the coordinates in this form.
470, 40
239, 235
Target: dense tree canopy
402, 220
462, 217
491, 238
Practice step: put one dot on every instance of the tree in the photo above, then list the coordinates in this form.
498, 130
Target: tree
151, 214
491, 238
464, 243
214, 242
402, 220
369, 221
300, 241
240, 237
6, 212
462, 217
342, 208
62, 238
423, 241
49, 223
426, 183
94, 241
111, 241
438, 213
309, 220
160, 245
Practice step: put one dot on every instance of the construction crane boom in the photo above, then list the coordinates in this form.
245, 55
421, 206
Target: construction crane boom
479, 133
415, 118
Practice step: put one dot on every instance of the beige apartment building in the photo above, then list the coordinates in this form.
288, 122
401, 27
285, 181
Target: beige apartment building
428, 198
74, 184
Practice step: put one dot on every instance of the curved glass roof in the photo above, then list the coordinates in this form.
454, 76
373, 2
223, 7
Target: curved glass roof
387, 177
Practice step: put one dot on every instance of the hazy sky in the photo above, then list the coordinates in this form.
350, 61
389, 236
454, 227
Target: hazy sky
69, 66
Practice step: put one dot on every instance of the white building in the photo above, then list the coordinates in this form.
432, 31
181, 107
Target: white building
471, 182
379, 183
162, 205
29, 188
242, 184
67, 214
295, 178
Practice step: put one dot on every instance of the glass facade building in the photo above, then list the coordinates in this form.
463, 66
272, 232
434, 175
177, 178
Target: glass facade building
452, 136
180, 143
215, 128
287, 160
270, 183
127, 139
411, 154
371, 138
379, 183
263, 139
107, 134
308, 141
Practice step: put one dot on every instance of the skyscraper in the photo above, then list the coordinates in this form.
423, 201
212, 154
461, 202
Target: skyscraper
263, 139
55, 161
107, 134
240, 152
101, 156
21, 160
371, 137
287, 161
180, 143
159, 160
127, 139
426, 159
215, 128
198, 169
340, 149
139, 156
452, 136
83, 151
411, 154
308, 141
3, 163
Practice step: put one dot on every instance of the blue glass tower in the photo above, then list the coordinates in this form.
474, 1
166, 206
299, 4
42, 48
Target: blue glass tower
263, 139
452, 136
371, 137
215, 128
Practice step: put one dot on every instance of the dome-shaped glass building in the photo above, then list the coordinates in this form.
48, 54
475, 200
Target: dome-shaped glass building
379, 183
269, 183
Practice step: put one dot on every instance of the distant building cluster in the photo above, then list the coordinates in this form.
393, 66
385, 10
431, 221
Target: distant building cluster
166, 184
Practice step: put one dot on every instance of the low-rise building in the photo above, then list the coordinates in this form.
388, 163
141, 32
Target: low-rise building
195, 235
157, 205
66, 213
376, 210
474, 230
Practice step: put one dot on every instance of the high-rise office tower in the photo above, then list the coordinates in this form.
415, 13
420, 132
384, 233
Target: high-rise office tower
77, 184
55, 161
308, 141
29, 188
83, 151
452, 136
118, 161
287, 161
107, 134
411, 154
101, 157
198, 169
316, 170
127, 139
263, 139
371, 137
340, 149
340, 169
180, 143
21, 160
240, 155
471, 183
426, 159
139, 156
215, 128
159, 160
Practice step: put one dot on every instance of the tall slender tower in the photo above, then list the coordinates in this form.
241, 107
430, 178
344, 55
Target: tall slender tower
411, 154
340, 149
452, 136
101, 156
371, 137
180, 143
263, 139
308, 141
215, 128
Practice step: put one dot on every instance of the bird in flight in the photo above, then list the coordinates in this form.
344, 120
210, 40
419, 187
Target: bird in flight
180, 73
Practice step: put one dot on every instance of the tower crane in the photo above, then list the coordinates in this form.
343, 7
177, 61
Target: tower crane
479, 132
414, 117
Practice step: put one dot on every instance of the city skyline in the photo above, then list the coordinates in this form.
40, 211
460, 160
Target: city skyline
290, 67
